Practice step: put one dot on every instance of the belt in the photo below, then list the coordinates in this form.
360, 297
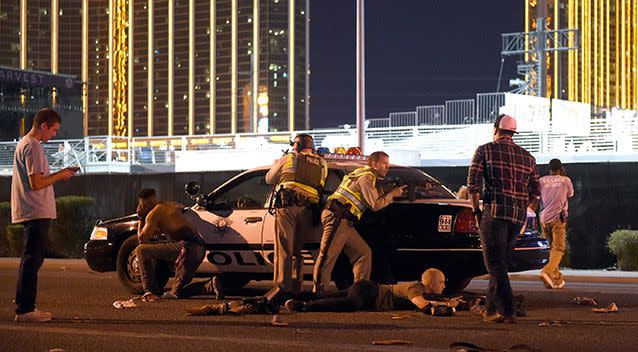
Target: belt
340, 209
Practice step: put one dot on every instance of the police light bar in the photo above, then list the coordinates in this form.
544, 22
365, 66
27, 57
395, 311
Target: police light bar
334, 156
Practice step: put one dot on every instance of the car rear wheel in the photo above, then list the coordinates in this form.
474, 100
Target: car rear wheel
128, 268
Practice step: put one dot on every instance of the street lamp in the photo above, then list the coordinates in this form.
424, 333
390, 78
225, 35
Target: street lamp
361, 101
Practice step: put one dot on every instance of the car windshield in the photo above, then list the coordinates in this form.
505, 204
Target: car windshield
419, 184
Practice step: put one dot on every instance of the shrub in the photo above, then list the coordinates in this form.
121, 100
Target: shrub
15, 241
624, 245
5, 220
71, 229
67, 234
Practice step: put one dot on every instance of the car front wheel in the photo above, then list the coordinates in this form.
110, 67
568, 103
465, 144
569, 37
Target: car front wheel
128, 268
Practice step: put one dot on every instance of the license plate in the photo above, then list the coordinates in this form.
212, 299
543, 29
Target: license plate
445, 223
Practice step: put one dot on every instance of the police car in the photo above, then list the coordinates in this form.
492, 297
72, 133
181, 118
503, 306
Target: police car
427, 227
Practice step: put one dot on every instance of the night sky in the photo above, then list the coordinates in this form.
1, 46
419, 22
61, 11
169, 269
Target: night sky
418, 52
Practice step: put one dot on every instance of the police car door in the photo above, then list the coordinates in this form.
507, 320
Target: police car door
232, 225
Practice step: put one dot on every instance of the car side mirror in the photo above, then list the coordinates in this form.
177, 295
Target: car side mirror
192, 189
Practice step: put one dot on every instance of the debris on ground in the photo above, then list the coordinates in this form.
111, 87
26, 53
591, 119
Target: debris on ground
469, 347
584, 301
208, 309
402, 316
126, 304
552, 323
612, 308
392, 342
477, 307
278, 321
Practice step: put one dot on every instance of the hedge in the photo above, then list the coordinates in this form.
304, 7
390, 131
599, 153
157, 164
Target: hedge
67, 235
624, 245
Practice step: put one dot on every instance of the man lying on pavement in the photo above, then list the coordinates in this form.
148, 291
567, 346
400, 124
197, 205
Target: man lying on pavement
369, 295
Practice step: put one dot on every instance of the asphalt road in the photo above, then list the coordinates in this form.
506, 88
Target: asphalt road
85, 320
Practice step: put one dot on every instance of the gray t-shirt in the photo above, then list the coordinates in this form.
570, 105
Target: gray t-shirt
26, 203
555, 189
399, 296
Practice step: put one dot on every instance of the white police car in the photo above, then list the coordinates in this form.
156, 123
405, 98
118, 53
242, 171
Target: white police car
429, 227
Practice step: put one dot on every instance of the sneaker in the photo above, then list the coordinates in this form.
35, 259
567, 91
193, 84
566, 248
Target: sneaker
560, 285
150, 297
547, 281
169, 295
294, 305
493, 318
499, 318
37, 316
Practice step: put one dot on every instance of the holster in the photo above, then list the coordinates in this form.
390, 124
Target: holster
283, 198
341, 211
288, 197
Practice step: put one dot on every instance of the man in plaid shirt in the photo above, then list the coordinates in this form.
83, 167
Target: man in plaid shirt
510, 184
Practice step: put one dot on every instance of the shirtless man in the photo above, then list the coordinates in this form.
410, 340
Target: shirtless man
184, 246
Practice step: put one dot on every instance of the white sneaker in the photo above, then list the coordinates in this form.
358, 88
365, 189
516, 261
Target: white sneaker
169, 295
37, 316
560, 285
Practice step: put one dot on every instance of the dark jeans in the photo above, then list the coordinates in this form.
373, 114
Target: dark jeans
362, 295
36, 238
149, 253
497, 239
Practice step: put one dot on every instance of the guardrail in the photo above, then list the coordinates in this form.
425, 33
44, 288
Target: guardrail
119, 154
548, 128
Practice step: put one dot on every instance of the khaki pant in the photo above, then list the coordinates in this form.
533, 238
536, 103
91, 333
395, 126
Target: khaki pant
555, 232
338, 235
291, 224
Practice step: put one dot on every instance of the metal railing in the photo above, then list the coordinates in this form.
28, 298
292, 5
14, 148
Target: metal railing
577, 134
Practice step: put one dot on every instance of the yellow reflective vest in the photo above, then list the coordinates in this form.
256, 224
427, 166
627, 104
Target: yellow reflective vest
306, 172
346, 195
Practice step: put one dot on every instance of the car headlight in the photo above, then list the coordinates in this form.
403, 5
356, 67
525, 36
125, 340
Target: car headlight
99, 233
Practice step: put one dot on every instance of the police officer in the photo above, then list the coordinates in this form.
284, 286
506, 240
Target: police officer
300, 177
357, 192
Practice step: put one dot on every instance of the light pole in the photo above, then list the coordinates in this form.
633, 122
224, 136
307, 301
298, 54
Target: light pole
361, 101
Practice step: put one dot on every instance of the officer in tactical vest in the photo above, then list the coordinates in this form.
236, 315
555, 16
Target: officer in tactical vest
300, 177
357, 192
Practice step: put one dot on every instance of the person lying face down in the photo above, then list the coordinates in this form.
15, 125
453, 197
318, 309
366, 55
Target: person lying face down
369, 295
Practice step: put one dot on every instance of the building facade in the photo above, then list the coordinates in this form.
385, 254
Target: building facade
40, 64
201, 67
169, 67
604, 71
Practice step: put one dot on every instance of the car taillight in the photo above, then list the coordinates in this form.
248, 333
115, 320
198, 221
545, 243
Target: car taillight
465, 222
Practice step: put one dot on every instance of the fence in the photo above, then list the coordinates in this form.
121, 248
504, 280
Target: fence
547, 129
